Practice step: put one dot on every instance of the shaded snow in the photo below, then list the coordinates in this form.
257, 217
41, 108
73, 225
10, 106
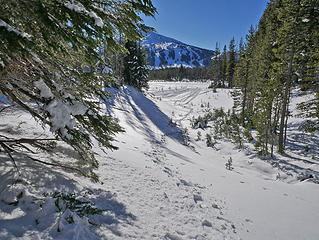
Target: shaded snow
45, 91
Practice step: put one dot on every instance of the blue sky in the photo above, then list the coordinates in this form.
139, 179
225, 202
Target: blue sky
203, 22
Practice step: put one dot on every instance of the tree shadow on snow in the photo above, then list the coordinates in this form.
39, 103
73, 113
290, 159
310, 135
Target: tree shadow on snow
28, 207
143, 108
301, 155
301, 143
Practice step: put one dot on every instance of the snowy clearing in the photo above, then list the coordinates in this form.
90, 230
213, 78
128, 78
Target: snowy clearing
154, 186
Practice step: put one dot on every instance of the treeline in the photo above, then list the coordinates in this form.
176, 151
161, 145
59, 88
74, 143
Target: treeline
180, 73
221, 72
280, 54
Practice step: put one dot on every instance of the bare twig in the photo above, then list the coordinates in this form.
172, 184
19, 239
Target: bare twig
26, 140
28, 149
8, 149
57, 165
4, 108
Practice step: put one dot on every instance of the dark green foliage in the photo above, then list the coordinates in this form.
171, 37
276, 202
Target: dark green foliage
231, 62
279, 55
229, 164
216, 68
48, 54
71, 201
208, 140
227, 126
181, 73
173, 74
135, 70
223, 66
186, 138
199, 136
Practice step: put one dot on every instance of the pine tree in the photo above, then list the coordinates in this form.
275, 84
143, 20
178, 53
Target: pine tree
181, 73
279, 55
135, 71
242, 74
216, 67
309, 73
241, 47
291, 40
231, 62
48, 54
224, 66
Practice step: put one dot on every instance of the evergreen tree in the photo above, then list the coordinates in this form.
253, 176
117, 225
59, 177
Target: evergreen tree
309, 73
181, 73
242, 75
231, 62
224, 66
135, 71
47, 54
241, 47
278, 55
292, 39
216, 67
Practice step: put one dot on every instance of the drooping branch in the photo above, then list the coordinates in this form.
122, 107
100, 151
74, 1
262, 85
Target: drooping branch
10, 146
58, 165
8, 150
26, 140
4, 108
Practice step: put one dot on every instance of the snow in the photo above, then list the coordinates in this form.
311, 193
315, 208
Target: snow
36, 58
81, 9
107, 70
61, 115
61, 112
154, 187
161, 45
12, 29
153, 38
45, 91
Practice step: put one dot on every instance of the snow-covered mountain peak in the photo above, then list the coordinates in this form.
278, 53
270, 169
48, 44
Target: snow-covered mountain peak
165, 52
153, 38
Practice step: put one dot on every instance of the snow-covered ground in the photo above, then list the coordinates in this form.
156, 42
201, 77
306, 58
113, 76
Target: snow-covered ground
155, 187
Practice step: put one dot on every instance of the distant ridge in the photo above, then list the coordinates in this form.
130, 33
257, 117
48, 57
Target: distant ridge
164, 52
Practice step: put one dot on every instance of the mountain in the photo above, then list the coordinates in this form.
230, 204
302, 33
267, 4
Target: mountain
167, 52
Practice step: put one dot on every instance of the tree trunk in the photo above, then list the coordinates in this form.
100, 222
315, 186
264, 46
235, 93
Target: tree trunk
284, 110
273, 130
286, 124
245, 96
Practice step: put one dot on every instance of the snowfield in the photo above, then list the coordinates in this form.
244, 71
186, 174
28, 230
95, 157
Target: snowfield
155, 186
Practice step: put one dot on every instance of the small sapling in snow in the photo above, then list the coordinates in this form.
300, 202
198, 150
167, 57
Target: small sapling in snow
208, 140
199, 136
186, 137
229, 164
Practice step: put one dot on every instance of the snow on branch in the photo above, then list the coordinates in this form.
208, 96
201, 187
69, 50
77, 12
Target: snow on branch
80, 9
12, 29
61, 112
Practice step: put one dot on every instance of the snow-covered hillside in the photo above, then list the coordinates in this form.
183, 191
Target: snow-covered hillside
167, 52
155, 186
